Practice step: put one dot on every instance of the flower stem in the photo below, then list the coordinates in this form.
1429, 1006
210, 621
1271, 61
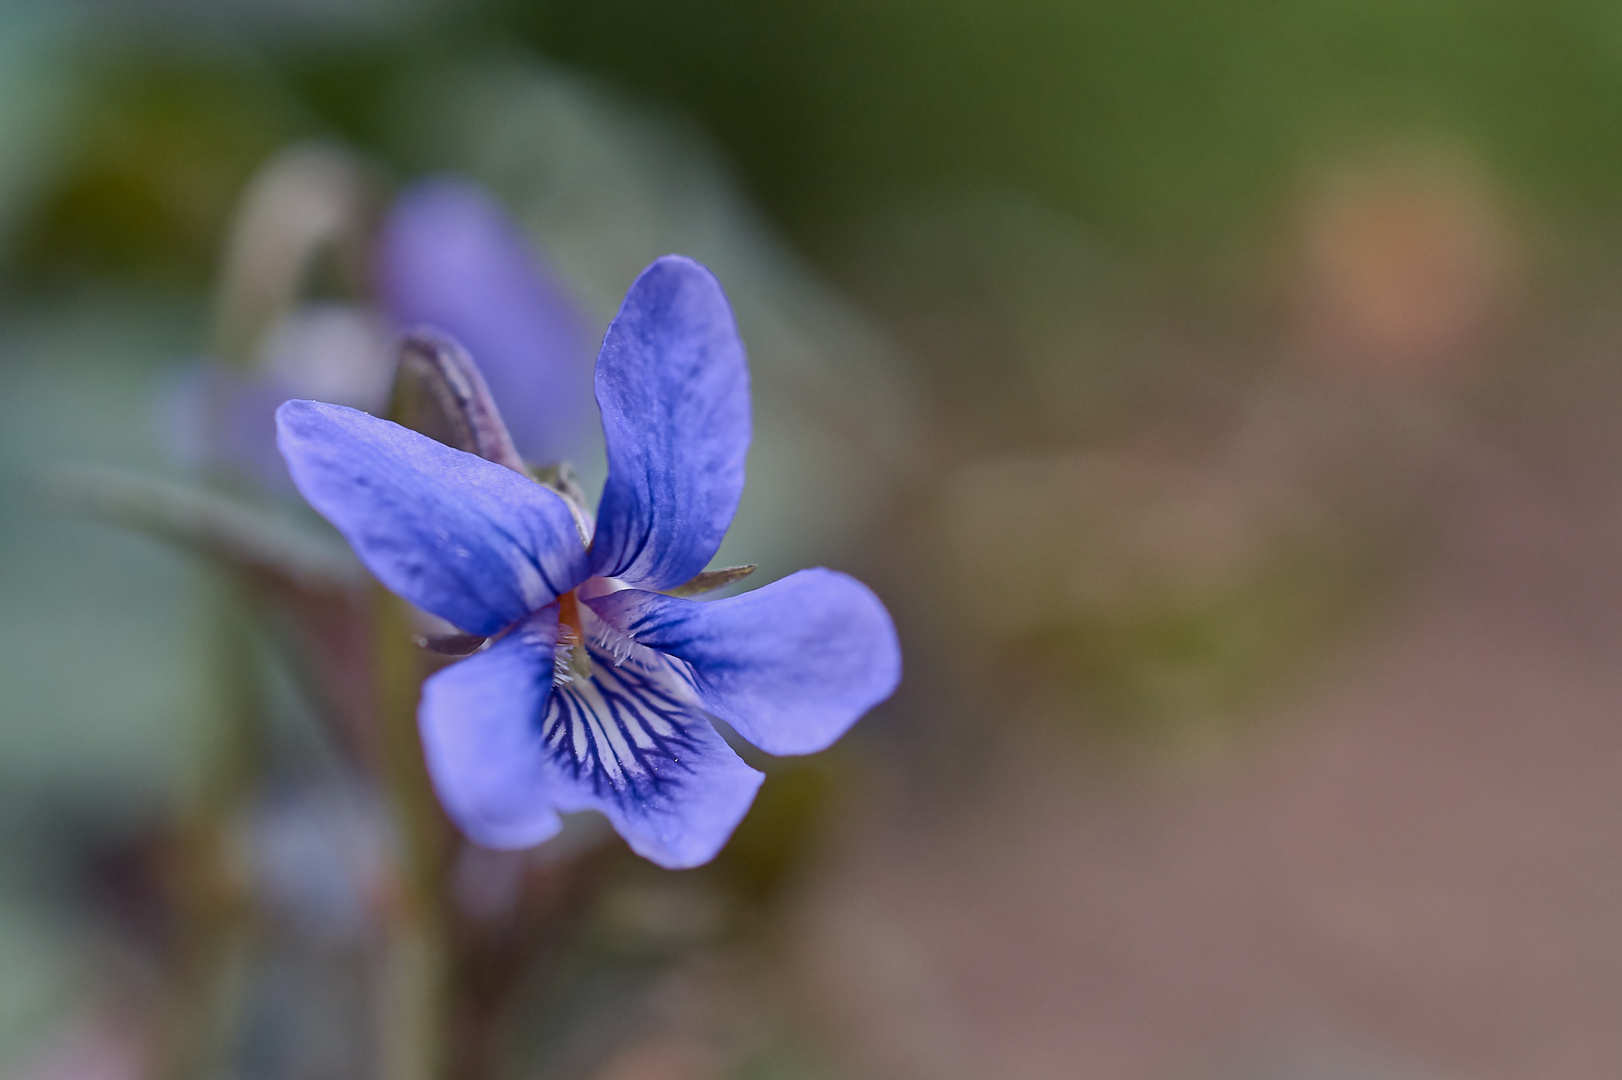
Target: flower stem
416, 996
205, 881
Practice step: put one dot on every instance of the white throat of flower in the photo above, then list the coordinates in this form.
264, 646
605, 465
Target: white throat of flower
568, 658
580, 632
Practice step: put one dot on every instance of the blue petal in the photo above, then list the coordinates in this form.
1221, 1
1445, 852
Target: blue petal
673, 387
466, 539
791, 666
480, 741
508, 750
630, 742
450, 257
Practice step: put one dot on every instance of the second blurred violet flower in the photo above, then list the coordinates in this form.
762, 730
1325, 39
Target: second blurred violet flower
448, 256
451, 258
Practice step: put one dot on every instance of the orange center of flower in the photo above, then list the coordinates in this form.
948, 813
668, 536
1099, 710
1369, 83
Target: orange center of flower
575, 663
569, 615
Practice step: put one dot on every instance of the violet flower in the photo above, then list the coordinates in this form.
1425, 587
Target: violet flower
448, 256
595, 690
451, 258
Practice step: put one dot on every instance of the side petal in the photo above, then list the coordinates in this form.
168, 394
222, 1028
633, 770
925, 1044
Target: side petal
452, 258
469, 540
480, 738
673, 387
791, 665
631, 743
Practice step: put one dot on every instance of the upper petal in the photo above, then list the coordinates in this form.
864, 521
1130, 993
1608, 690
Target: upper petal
673, 387
469, 540
481, 740
450, 257
791, 665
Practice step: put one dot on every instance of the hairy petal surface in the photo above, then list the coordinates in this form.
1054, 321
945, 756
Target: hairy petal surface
673, 387
451, 257
480, 737
632, 743
791, 665
471, 541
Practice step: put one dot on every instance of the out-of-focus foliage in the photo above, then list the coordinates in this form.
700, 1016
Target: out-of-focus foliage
1164, 124
159, 155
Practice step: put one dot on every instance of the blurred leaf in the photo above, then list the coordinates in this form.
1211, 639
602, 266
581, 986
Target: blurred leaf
155, 156
1164, 125
207, 523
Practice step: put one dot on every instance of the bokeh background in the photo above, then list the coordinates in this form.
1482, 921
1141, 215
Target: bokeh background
1224, 397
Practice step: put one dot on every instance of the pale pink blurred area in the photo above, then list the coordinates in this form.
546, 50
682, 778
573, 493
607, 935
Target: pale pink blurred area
101, 1046
1398, 853
1405, 267
1414, 861
671, 1058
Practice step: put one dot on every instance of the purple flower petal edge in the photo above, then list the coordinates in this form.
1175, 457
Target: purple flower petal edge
471, 541
450, 257
673, 386
791, 666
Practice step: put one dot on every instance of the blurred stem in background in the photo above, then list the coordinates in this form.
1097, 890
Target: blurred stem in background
311, 200
417, 997
303, 202
212, 907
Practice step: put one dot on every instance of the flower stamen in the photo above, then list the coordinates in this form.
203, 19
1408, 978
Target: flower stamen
570, 658
563, 656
